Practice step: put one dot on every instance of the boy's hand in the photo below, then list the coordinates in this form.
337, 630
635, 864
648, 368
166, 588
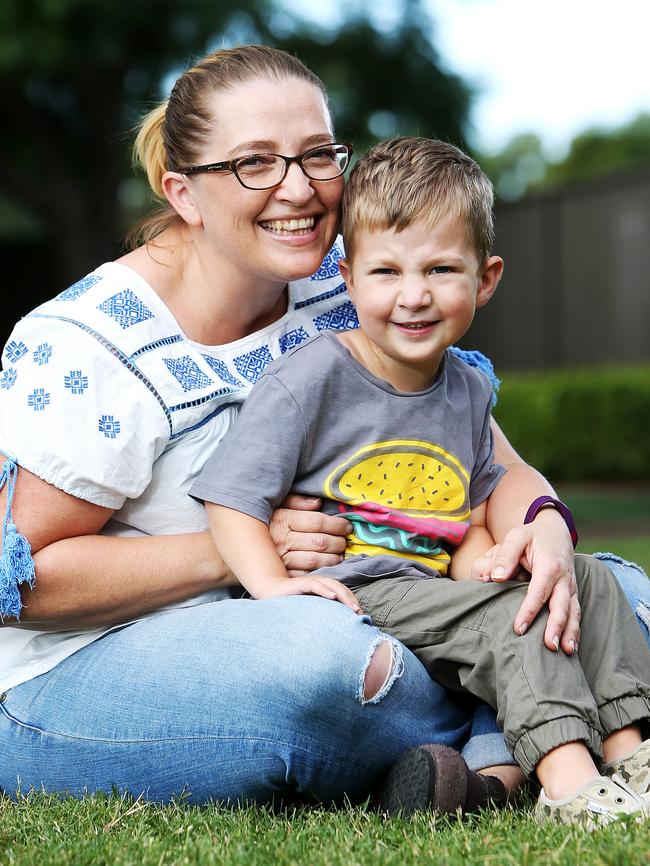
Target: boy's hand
326, 587
484, 565
304, 538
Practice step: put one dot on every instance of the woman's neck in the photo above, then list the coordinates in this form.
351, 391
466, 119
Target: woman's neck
210, 310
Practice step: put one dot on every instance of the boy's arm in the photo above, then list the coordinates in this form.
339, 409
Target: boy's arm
246, 546
476, 542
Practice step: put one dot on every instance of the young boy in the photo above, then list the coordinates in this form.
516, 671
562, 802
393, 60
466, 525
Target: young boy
392, 430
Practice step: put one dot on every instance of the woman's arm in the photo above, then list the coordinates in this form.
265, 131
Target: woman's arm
85, 580
543, 548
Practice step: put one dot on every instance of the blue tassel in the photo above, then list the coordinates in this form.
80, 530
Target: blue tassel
10, 601
479, 360
16, 563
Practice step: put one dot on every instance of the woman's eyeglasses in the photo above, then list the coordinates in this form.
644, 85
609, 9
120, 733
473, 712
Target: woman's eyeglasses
266, 170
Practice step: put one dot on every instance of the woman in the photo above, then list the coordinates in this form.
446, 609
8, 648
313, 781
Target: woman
126, 669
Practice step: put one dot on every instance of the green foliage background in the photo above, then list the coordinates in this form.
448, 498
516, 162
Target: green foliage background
77, 74
590, 424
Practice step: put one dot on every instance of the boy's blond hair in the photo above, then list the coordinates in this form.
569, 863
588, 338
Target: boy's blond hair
407, 179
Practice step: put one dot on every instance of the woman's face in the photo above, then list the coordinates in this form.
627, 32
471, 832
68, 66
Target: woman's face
250, 230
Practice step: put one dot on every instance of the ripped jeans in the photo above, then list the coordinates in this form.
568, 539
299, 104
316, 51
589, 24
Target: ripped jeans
238, 701
234, 700
635, 585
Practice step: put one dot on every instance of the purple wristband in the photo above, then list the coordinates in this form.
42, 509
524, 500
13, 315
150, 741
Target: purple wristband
536, 506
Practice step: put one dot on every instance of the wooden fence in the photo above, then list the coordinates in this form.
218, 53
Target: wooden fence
576, 286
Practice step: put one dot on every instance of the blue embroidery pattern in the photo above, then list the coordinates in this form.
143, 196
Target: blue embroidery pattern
150, 347
329, 268
187, 373
343, 318
325, 296
293, 338
201, 401
43, 354
222, 371
252, 364
14, 351
116, 353
38, 400
8, 378
126, 308
76, 382
78, 288
109, 426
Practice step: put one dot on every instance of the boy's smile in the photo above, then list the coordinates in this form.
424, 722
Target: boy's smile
415, 292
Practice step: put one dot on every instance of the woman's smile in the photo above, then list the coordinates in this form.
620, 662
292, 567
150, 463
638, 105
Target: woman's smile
304, 228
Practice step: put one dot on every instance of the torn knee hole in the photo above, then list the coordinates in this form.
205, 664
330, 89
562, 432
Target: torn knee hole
378, 671
384, 666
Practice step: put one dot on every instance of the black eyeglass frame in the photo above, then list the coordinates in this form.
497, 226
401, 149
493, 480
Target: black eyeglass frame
231, 165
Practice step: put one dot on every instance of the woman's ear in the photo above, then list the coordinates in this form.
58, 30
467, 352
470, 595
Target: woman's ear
489, 279
181, 197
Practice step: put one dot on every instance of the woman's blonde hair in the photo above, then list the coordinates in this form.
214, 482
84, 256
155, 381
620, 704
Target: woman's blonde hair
171, 135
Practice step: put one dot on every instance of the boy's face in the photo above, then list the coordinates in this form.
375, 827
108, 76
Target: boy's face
415, 292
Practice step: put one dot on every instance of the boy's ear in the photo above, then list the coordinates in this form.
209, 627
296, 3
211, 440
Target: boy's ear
346, 272
489, 280
180, 197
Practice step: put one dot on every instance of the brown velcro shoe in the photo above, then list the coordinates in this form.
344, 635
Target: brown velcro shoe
437, 779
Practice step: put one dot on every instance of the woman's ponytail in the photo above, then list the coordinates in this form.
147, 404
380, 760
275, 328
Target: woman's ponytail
149, 148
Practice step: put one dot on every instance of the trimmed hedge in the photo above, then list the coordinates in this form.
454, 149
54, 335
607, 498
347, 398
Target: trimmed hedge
580, 424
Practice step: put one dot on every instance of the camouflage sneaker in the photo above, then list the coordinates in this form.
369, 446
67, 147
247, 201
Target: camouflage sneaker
634, 769
596, 804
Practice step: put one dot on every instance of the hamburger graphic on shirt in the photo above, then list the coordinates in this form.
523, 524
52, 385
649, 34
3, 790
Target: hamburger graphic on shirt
405, 497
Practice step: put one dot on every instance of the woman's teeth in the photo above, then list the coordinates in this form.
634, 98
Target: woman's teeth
288, 225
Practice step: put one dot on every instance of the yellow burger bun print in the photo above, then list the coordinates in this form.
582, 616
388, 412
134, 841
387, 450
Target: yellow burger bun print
409, 475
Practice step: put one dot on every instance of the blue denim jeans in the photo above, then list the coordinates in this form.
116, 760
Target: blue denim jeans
238, 701
636, 586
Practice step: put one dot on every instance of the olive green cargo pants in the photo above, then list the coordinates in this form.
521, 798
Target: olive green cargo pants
463, 633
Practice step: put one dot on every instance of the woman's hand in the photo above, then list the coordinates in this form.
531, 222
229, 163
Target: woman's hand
544, 549
305, 538
325, 587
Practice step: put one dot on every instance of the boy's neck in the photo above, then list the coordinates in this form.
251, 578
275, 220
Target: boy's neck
401, 375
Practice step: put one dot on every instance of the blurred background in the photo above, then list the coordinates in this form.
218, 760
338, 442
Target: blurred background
552, 99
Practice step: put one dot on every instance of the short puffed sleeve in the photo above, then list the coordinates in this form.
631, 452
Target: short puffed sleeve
75, 414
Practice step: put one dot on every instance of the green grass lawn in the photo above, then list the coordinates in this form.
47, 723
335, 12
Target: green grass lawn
98, 831
633, 549
615, 519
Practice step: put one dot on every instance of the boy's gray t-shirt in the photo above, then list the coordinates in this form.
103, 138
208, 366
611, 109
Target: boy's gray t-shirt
404, 468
